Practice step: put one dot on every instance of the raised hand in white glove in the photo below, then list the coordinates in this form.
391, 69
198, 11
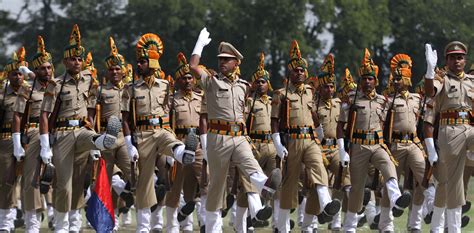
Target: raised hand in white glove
201, 42
203, 139
26, 72
343, 155
281, 150
430, 148
18, 150
95, 154
431, 60
320, 132
45, 153
131, 149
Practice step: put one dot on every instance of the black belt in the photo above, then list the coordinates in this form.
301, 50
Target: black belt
301, 130
403, 136
186, 131
267, 137
66, 124
367, 136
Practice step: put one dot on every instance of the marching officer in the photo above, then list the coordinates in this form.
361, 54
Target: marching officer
453, 97
406, 147
225, 95
328, 110
32, 201
302, 145
149, 94
367, 148
106, 101
11, 85
186, 107
65, 102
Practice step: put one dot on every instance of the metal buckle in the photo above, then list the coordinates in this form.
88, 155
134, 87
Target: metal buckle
304, 130
370, 136
268, 137
329, 141
463, 115
154, 121
234, 128
406, 137
73, 123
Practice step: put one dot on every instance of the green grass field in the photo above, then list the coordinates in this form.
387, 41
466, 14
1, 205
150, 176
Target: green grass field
400, 223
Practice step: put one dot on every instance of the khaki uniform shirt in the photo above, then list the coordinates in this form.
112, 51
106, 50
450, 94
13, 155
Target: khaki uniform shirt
152, 100
9, 103
370, 112
110, 100
453, 93
225, 98
262, 110
74, 95
301, 105
35, 102
328, 113
187, 111
405, 113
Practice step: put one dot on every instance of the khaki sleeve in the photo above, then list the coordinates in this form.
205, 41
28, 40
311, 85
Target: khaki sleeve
204, 105
21, 99
203, 79
438, 85
50, 96
430, 111
93, 95
344, 112
125, 106
276, 102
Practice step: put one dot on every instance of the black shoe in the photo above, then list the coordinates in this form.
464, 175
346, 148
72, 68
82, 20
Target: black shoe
202, 229
224, 213
428, 217
402, 202
329, 211
229, 200
186, 210
156, 231
127, 196
292, 224
272, 184
114, 126
375, 224
152, 208
465, 221
362, 221
466, 207
264, 213
51, 224
260, 224
160, 192
361, 211
292, 210
18, 223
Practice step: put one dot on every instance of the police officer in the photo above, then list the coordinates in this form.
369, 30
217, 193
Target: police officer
11, 85
406, 147
302, 145
153, 134
43, 69
367, 148
186, 107
225, 96
73, 136
453, 96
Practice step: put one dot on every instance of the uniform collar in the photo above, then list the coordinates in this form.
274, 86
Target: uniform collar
109, 86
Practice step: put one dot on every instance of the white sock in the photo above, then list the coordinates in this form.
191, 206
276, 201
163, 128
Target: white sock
255, 204
323, 196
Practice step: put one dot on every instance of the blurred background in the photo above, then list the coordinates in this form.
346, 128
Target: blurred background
343, 27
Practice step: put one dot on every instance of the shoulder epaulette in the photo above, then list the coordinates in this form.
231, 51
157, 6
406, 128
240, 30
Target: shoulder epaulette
243, 81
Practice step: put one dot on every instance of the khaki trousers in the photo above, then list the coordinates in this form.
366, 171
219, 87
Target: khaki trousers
222, 150
410, 157
70, 156
361, 157
453, 142
300, 151
8, 194
31, 197
151, 144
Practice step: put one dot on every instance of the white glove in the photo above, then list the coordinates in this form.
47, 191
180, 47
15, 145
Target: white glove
201, 42
281, 150
18, 150
470, 155
26, 72
432, 154
431, 59
170, 161
343, 155
203, 138
45, 153
95, 154
131, 149
320, 132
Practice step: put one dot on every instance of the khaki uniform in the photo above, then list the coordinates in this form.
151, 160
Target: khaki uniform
303, 147
187, 113
153, 133
454, 96
110, 104
226, 141
260, 133
31, 198
8, 193
367, 147
328, 113
73, 140
406, 147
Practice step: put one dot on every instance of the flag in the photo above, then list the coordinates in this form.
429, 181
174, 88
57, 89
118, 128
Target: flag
100, 209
